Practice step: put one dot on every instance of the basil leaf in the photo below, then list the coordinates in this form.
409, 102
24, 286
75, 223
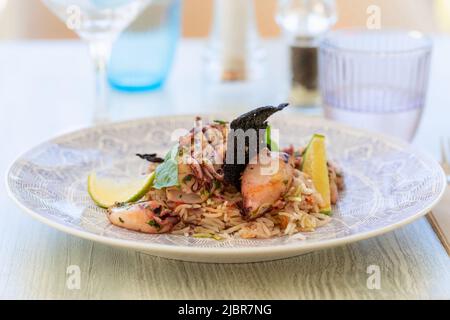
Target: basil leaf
270, 143
166, 174
222, 122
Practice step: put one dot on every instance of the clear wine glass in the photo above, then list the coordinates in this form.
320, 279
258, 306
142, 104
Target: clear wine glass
99, 22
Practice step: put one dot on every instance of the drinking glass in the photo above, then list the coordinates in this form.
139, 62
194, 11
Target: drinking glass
376, 79
143, 54
99, 22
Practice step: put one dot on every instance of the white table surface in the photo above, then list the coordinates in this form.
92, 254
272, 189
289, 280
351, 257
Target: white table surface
46, 89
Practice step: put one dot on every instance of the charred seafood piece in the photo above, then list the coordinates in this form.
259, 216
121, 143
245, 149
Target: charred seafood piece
254, 120
200, 160
144, 216
264, 181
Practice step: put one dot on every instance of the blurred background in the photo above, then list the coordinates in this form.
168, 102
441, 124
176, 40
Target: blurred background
30, 19
209, 55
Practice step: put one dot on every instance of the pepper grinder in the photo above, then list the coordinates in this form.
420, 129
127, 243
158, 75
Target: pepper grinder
303, 23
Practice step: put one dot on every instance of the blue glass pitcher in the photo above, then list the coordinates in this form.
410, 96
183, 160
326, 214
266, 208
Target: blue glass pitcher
142, 56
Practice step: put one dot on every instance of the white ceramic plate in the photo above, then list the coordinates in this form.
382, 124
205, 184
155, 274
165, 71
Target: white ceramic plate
388, 184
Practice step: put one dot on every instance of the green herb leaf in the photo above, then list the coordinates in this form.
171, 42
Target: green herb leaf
166, 174
217, 184
207, 236
153, 223
221, 122
270, 143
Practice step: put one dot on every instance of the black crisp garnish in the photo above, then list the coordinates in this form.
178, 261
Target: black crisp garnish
256, 120
151, 157
121, 220
153, 223
157, 210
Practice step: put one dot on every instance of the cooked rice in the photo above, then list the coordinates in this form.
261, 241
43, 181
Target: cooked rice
220, 218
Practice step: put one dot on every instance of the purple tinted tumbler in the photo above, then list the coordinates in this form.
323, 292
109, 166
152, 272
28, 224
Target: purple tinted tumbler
375, 79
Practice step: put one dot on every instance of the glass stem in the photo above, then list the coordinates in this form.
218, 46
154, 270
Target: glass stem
100, 51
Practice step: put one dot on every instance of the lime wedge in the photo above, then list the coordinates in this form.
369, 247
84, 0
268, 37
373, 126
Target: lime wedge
107, 191
315, 165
